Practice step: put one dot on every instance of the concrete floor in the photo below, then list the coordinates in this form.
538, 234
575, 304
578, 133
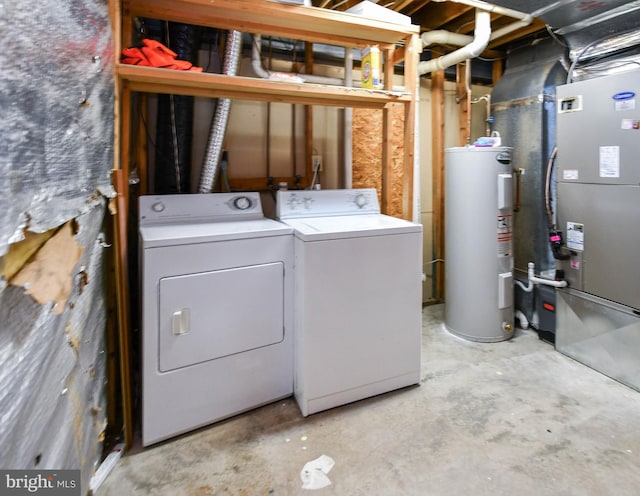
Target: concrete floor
515, 417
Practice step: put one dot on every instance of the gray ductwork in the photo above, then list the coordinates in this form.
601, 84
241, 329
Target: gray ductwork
213, 152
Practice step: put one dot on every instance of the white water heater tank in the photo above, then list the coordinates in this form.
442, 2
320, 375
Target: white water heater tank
478, 243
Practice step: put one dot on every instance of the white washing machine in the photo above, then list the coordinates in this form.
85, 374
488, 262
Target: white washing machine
358, 300
217, 294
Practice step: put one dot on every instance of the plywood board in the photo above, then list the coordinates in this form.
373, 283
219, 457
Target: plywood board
367, 153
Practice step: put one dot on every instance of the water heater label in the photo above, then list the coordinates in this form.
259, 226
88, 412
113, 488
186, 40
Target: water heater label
575, 236
609, 161
504, 235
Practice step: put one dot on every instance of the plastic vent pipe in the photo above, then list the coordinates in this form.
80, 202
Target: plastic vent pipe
480, 41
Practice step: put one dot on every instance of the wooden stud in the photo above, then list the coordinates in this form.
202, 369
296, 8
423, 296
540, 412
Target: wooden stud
120, 181
141, 155
437, 161
464, 105
387, 138
496, 71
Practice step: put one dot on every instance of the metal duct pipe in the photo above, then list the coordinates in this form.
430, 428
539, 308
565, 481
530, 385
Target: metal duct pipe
480, 41
213, 152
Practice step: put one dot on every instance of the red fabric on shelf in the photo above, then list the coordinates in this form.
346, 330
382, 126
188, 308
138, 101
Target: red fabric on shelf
155, 54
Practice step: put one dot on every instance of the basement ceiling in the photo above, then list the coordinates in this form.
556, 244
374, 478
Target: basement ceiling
576, 23
449, 16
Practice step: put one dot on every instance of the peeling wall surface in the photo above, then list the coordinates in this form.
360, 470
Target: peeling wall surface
57, 110
56, 149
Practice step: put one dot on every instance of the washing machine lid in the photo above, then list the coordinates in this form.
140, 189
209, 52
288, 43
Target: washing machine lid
208, 232
350, 226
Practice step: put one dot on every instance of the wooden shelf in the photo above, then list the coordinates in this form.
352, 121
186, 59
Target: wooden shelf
397, 42
153, 80
276, 19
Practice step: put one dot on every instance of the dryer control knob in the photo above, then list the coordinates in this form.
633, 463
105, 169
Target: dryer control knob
242, 203
157, 206
360, 200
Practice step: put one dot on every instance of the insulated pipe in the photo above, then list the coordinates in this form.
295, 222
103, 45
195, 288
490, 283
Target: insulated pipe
480, 41
213, 151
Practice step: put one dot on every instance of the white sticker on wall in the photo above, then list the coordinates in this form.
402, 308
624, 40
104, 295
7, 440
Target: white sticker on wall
625, 105
575, 236
570, 175
609, 161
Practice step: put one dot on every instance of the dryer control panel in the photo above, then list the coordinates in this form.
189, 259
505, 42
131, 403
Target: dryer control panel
156, 209
292, 204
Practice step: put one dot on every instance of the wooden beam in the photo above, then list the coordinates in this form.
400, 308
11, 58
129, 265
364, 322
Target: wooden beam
140, 149
437, 172
413, 50
387, 140
120, 181
463, 98
496, 71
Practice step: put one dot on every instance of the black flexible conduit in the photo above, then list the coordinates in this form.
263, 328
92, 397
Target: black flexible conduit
174, 131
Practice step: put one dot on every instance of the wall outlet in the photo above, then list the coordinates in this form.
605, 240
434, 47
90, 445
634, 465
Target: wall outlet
316, 161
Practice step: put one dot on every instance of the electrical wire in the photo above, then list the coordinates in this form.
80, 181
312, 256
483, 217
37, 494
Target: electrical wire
547, 186
435, 260
174, 128
555, 36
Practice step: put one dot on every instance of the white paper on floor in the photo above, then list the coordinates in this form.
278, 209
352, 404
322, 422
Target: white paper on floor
314, 473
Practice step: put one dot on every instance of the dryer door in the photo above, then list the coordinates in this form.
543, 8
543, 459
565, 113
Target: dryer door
210, 315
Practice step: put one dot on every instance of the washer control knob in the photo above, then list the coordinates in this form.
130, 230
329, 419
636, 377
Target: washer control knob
242, 203
360, 200
157, 206
307, 203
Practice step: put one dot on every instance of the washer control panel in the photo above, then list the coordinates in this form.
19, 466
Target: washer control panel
328, 202
199, 207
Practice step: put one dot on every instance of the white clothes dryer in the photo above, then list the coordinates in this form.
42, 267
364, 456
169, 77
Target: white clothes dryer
358, 303
217, 294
